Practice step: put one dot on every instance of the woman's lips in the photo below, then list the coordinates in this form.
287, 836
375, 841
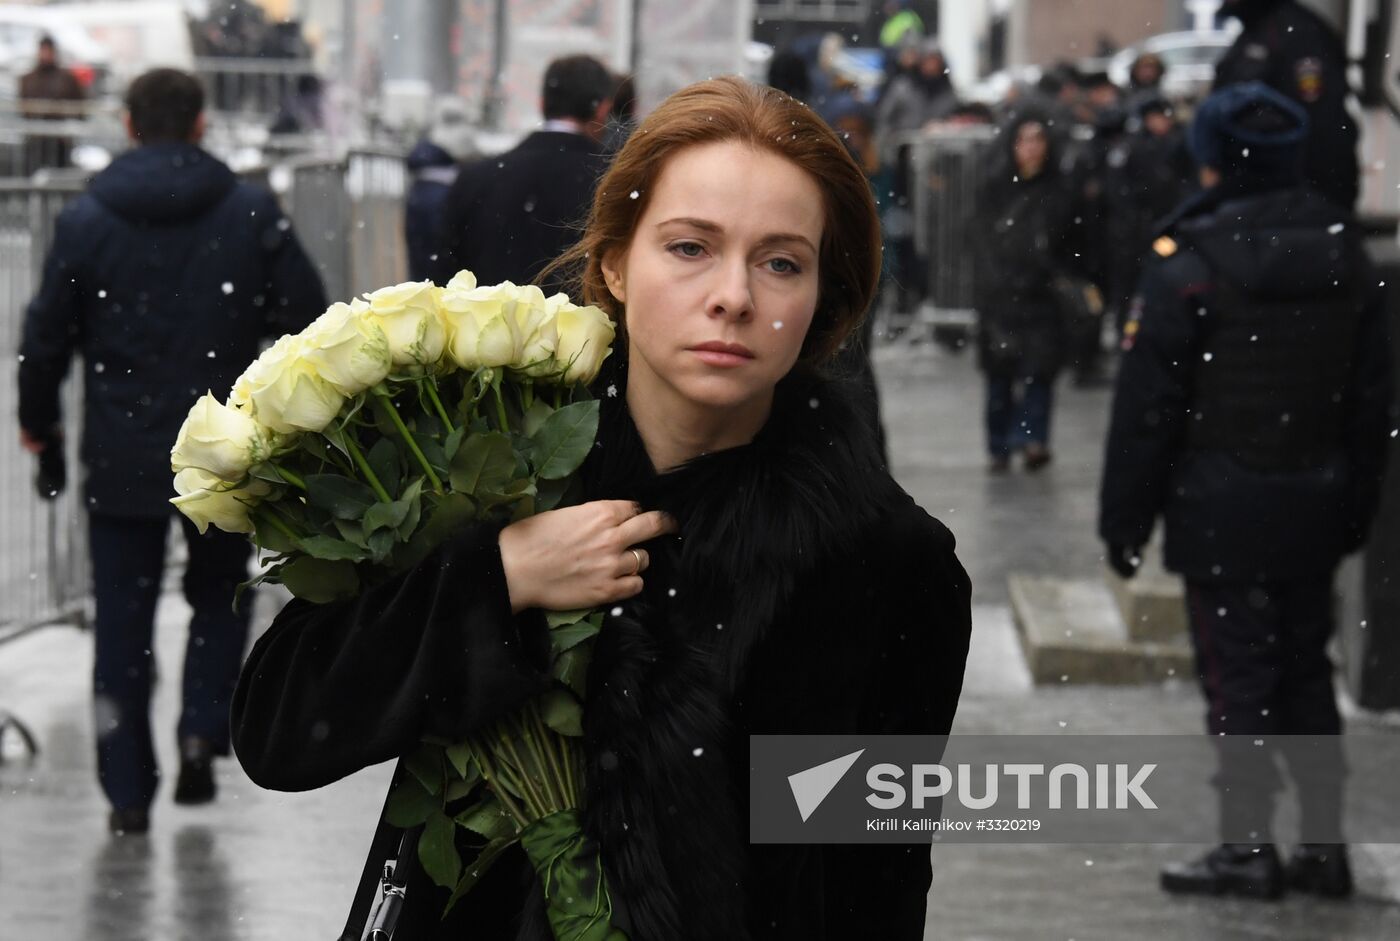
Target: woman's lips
726, 355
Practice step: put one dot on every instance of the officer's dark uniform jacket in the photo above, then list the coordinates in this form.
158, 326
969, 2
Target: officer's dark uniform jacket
1252, 402
1294, 51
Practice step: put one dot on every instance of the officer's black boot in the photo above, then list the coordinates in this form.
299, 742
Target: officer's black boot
1321, 869
1247, 869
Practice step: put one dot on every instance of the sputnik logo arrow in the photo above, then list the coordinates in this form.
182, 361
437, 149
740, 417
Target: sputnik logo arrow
810, 787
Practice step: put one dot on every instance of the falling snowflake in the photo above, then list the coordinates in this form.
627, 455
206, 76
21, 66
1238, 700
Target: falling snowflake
612, 391
697, 752
226, 287
1335, 229
777, 325
634, 195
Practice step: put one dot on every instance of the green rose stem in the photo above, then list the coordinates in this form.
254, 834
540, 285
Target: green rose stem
431, 385
542, 755
387, 400
501, 409
267, 516
290, 478
493, 780
368, 471
531, 785
527, 390
547, 745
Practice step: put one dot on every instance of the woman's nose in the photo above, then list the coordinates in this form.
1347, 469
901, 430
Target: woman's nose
731, 297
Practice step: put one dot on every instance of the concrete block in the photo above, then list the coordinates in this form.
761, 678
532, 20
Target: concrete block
1071, 632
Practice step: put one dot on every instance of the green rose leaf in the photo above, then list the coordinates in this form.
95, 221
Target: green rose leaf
562, 712
561, 618
342, 497
383, 459
551, 493
476, 869
447, 514
534, 417
320, 580
571, 635
332, 549
460, 757
489, 819
425, 764
460, 788
571, 669
452, 442
352, 531
437, 851
564, 440
381, 544
269, 537
484, 464
392, 515
409, 805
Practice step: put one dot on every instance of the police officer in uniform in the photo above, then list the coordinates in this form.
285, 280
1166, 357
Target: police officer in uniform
1294, 51
1252, 413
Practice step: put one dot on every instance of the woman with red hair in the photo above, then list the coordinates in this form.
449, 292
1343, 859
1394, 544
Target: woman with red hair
762, 571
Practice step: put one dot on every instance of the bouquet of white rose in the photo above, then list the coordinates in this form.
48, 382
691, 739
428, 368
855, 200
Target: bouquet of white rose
351, 449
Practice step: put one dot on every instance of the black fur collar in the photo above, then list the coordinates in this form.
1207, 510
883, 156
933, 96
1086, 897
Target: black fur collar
667, 773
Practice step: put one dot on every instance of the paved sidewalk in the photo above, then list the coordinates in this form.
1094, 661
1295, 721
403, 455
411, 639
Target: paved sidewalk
260, 865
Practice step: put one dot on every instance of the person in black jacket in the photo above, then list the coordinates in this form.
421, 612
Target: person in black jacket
1291, 49
1251, 413
1023, 232
509, 216
164, 275
762, 571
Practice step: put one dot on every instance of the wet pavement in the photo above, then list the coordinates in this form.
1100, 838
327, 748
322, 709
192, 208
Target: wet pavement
258, 864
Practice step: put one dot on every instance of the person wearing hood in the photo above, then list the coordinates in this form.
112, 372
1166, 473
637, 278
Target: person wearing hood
1252, 415
165, 276
1023, 237
432, 164
1295, 52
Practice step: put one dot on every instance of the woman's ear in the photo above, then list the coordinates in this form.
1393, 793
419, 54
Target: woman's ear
614, 276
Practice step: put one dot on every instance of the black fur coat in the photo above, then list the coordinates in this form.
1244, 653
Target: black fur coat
806, 594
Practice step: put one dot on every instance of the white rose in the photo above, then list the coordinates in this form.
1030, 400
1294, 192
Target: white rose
408, 315
479, 330
347, 349
221, 440
585, 340
534, 323
284, 391
208, 500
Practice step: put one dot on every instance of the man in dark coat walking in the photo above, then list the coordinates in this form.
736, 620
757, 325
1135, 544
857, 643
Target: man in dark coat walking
1295, 52
1252, 413
165, 275
509, 216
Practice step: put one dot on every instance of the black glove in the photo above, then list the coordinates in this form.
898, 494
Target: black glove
52, 476
1125, 560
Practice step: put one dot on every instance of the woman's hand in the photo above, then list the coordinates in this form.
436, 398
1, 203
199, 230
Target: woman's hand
580, 556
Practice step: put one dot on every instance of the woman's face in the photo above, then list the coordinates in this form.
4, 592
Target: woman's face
719, 282
1031, 148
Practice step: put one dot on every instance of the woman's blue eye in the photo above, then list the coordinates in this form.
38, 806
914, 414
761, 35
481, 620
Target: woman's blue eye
784, 266
688, 249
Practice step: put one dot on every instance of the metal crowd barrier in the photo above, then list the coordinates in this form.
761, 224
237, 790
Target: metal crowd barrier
946, 173
43, 548
349, 215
